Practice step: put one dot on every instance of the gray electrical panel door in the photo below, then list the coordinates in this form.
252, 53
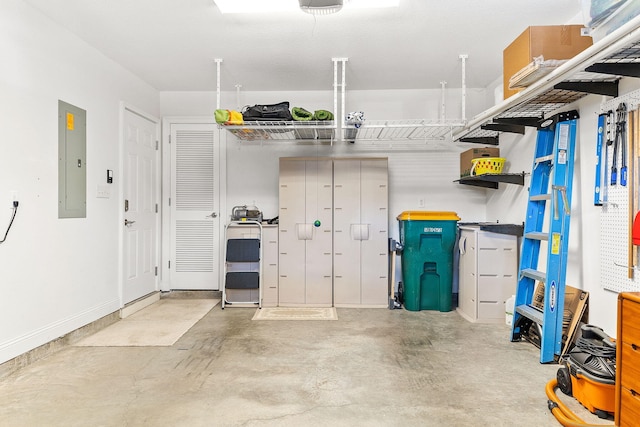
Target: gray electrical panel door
72, 154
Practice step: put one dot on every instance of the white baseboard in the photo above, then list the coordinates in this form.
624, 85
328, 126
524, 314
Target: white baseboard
27, 342
139, 304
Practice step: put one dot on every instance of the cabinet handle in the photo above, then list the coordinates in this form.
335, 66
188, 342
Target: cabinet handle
634, 347
633, 393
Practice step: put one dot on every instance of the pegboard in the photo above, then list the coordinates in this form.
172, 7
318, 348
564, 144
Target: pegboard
614, 218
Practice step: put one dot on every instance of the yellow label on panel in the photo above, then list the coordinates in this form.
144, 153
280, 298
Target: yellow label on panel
555, 243
69, 121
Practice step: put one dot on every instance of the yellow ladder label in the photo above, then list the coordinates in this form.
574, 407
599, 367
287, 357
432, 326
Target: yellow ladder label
555, 243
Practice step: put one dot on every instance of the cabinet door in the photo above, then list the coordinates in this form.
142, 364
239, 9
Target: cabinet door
497, 272
291, 260
346, 244
467, 277
319, 249
375, 216
270, 266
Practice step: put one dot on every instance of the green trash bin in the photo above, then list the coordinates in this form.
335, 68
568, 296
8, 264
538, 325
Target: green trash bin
427, 258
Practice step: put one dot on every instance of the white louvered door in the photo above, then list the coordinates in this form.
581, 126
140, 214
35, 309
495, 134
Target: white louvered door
194, 207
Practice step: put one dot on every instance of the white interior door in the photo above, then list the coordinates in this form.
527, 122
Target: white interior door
140, 252
194, 207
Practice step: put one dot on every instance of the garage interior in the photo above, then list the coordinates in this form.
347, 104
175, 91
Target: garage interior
129, 172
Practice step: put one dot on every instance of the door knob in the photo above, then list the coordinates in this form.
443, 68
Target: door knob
128, 223
213, 215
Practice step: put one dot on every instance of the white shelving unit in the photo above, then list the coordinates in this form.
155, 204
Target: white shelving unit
595, 70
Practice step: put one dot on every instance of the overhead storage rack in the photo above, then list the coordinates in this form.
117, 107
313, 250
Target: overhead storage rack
596, 70
338, 130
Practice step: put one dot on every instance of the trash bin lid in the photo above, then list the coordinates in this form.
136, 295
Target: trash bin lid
428, 216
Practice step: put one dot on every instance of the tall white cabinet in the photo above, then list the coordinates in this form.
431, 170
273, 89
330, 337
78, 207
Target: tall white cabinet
333, 232
360, 237
488, 273
306, 229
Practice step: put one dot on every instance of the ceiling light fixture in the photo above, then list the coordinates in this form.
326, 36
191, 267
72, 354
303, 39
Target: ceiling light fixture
310, 6
320, 7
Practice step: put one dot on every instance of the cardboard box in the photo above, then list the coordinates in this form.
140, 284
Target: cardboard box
552, 42
474, 153
575, 311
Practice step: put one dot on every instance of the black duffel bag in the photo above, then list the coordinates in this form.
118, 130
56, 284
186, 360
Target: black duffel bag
274, 112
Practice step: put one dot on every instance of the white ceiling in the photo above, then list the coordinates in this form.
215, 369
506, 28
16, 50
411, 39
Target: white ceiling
171, 44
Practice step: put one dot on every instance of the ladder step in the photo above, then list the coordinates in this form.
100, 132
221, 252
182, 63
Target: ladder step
537, 235
540, 276
530, 313
542, 159
540, 197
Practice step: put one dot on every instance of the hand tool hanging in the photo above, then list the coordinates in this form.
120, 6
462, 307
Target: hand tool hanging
609, 133
632, 123
621, 122
624, 142
602, 129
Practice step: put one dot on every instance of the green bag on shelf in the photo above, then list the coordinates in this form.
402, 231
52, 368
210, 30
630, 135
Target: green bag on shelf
300, 114
322, 115
221, 116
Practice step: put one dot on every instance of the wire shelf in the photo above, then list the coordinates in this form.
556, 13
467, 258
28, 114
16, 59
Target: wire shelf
407, 130
283, 130
602, 63
387, 130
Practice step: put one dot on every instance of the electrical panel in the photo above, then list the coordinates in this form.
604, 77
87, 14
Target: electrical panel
72, 155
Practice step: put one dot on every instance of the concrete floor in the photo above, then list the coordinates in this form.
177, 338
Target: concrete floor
372, 367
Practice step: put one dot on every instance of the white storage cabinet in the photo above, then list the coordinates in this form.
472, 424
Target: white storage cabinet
360, 242
305, 246
488, 274
333, 232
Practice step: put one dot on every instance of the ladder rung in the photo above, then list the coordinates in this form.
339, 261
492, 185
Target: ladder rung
530, 313
537, 235
548, 158
540, 197
540, 276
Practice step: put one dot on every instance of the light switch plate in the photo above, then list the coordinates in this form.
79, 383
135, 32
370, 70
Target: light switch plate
104, 192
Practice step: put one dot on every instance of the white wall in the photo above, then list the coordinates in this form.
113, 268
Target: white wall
56, 274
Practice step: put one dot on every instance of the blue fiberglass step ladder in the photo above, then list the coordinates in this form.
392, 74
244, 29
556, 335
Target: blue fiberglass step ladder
551, 182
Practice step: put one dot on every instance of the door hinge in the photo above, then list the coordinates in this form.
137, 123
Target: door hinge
156, 272
169, 262
156, 145
169, 201
169, 139
156, 208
